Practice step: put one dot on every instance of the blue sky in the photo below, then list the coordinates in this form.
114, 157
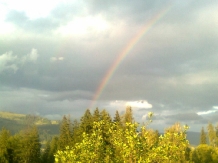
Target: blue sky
54, 55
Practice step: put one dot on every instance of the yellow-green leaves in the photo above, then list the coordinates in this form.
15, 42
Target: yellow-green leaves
125, 144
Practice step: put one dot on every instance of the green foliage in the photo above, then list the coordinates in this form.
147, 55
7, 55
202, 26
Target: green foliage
65, 134
50, 150
205, 154
96, 115
86, 122
203, 138
213, 139
128, 117
30, 145
126, 145
4, 145
20, 148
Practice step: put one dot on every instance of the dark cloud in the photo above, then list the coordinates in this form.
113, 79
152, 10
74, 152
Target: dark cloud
173, 66
185, 117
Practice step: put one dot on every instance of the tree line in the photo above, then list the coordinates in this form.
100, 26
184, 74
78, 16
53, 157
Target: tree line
97, 138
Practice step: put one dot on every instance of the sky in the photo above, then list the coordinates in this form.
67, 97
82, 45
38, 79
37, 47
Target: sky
61, 57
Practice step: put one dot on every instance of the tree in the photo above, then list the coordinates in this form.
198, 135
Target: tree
128, 116
75, 132
202, 154
203, 137
86, 122
211, 134
29, 145
65, 134
50, 150
96, 115
117, 118
4, 145
127, 146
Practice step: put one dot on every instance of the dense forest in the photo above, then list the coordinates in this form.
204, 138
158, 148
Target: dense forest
97, 138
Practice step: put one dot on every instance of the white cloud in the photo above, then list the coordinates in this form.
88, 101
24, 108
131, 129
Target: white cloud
33, 9
206, 112
13, 62
215, 107
139, 104
83, 25
53, 59
7, 62
33, 56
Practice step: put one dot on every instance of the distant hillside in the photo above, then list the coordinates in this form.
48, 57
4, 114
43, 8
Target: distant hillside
26, 119
47, 128
16, 122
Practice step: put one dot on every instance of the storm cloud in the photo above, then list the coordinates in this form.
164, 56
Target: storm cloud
55, 55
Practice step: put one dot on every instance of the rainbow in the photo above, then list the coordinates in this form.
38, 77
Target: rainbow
126, 50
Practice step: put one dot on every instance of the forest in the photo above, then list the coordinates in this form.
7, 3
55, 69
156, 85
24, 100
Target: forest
97, 137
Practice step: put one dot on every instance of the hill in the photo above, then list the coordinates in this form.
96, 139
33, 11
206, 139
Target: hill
16, 122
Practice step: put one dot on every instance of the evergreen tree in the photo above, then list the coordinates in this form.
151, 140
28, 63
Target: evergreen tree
45, 153
96, 115
75, 132
86, 122
117, 119
16, 148
128, 116
4, 145
211, 134
203, 138
65, 134
29, 146
105, 116
50, 150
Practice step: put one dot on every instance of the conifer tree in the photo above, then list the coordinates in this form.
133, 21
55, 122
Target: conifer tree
128, 116
50, 150
105, 116
4, 145
65, 134
117, 119
211, 134
86, 122
75, 132
96, 115
203, 137
29, 146
107, 121
45, 153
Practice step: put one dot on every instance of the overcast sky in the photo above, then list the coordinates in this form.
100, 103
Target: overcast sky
55, 55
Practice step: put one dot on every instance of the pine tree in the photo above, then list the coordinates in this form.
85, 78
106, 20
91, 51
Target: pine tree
96, 115
75, 132
45, 153
65, 134
29, 146
203, 138
86, 122
4, 145
50, 150
117, 119
211, 134
128, 116
105, 116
